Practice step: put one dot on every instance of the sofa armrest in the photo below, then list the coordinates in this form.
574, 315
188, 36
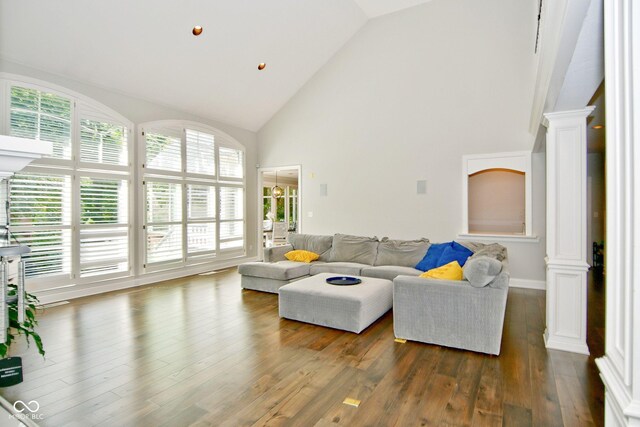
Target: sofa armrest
449, 313
276, 253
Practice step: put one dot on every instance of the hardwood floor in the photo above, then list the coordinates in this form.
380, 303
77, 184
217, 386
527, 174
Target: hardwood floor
201, 352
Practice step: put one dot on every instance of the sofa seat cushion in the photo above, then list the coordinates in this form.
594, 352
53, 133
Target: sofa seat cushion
281, 270
406, 253
389, 272
358, 249
352, 268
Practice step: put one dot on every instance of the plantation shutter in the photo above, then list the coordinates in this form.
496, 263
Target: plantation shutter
231, 163
201, 154
103, 142
104, 231
163, 151
201, 217
231, 217
39, 115
164, 221
40, 217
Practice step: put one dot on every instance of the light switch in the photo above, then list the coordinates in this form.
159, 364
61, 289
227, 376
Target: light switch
310, 214
324, 191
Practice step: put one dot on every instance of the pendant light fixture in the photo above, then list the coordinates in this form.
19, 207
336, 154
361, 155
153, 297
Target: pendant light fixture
277, 192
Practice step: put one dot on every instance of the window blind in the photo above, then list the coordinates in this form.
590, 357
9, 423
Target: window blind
201, 154
201, 201
231, 203
163, 152
201, 214
164, 221
103, 142
104, 234
231, 163
40, 217
231, 217
164, 243
44, 116
164, 202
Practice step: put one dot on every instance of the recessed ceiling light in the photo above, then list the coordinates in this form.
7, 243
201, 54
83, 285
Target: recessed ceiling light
261, 66
597, 127
197, 30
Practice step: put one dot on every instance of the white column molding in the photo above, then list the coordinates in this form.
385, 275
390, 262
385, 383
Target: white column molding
567, 230
620, 366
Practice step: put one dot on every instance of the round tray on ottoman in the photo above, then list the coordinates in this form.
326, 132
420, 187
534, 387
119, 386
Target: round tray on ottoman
343, 281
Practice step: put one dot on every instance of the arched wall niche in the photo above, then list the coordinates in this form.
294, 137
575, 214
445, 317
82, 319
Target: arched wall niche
497, 194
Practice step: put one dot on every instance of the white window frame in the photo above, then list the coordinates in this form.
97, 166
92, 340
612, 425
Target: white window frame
519, 161
222, 139
81, 107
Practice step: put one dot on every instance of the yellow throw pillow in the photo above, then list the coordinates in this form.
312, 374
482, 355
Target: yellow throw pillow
451, 271
302, 256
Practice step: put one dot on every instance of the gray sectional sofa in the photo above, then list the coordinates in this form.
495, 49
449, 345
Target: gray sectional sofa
467, 314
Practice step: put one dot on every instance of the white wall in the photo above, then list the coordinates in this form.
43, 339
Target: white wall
140, 111
403, 100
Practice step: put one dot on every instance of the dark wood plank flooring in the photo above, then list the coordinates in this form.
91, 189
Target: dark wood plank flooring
201, 352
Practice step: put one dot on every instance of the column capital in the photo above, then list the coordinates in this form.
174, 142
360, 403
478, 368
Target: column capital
567, 115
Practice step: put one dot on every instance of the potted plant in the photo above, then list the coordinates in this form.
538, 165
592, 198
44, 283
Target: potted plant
11, 367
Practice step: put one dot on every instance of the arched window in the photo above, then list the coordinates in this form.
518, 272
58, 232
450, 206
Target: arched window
73, 208
193, 194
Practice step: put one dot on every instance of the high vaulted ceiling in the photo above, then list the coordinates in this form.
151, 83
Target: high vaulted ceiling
145, 48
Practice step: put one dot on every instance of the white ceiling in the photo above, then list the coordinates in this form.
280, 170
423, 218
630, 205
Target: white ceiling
145, 48
373, 8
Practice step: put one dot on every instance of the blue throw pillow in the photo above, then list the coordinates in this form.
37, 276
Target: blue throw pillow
454, 252
432, 256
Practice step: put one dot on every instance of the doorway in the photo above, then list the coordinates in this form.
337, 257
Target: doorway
279, 210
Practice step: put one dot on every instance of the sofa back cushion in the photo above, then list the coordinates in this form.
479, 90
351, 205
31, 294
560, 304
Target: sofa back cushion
404, 253
493, 250
309, 242
346, 248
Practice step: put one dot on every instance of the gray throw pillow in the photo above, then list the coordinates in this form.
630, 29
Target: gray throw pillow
320, 245
481, 270
404, 253
346, 248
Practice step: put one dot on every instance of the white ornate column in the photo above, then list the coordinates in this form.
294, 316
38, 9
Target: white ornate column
620, 365
567, 230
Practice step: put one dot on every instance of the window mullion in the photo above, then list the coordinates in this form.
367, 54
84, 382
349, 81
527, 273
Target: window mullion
185, 249
75, 193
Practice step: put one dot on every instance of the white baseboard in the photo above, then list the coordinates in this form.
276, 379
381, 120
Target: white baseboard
565, 344
539, 285
620, 407
78, 291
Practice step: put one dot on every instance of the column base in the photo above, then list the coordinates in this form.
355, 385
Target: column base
564, 344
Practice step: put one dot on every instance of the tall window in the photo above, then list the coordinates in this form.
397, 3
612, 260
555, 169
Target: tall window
193, 181
72, 209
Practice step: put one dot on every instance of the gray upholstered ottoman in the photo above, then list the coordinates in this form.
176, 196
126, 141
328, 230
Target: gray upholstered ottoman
350, 308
